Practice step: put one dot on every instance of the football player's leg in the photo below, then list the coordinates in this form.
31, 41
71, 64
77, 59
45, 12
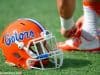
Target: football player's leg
89, 27
90, 18
66, 9
88, 39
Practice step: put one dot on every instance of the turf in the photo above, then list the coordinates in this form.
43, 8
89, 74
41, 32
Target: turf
45, 11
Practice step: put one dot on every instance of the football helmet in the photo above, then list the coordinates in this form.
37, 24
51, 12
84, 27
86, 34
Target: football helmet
27, 44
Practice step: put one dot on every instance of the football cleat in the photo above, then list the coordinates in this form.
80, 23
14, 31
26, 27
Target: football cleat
27, 44
80, 43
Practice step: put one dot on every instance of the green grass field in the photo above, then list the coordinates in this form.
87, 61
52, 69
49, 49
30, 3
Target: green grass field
75, 63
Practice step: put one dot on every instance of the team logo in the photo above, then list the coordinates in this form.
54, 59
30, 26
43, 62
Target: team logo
9, 39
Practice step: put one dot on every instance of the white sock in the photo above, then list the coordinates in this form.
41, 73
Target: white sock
89, 30
66, 23
89, 24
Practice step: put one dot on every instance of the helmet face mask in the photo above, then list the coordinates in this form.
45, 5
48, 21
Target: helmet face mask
40, 52
43, 51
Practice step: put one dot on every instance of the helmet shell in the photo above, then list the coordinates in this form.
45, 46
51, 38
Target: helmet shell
20, 30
